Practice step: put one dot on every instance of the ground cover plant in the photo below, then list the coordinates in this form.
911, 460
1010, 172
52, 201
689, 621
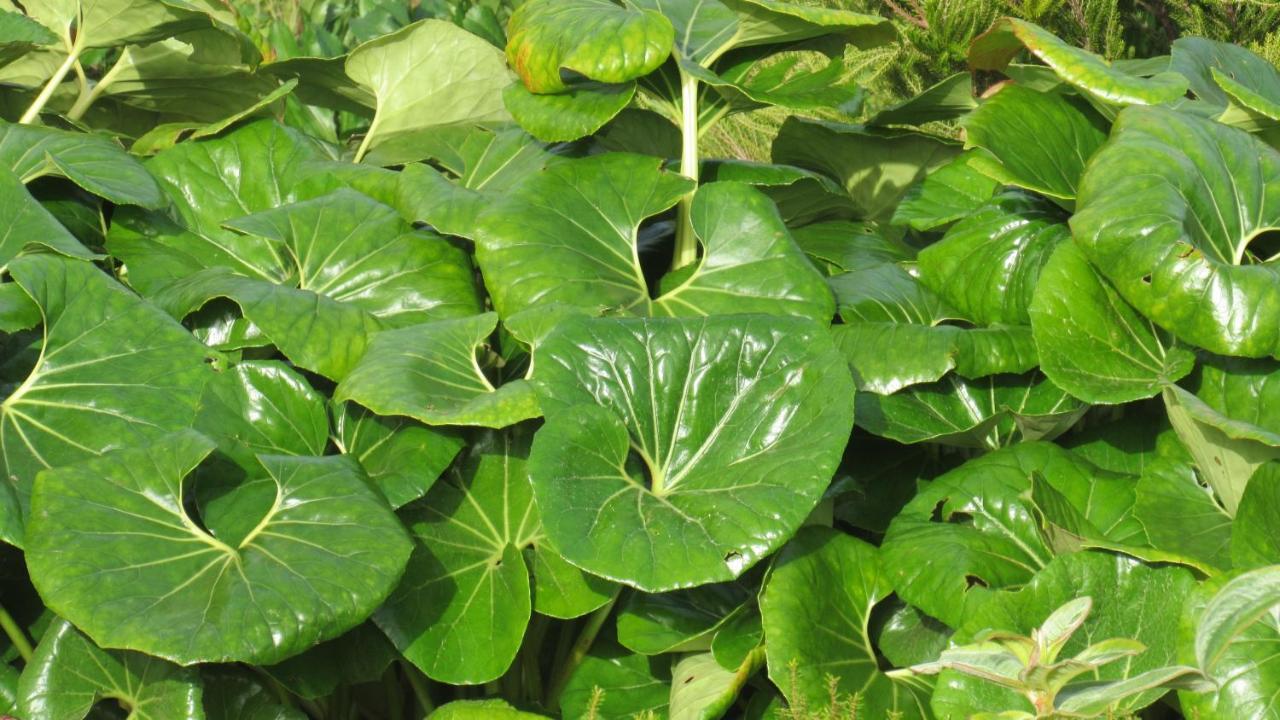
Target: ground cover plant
450, 376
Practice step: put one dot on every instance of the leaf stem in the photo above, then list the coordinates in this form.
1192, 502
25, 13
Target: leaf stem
686, 250
368, 136
587, 636
420, 690
83, 102
16, 636
33, 112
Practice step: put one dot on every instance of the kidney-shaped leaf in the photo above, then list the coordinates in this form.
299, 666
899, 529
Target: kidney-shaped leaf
681, 452
817, 608
113, 372
1167, 211
68, 675
113, 548
569, 235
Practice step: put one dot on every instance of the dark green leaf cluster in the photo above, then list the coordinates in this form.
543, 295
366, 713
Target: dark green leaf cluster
432, 366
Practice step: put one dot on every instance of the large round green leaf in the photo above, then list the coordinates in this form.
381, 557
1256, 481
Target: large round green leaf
987, 265
817, 608
661, 463
402, 458
595, 39
975, 527
1167, 211
113, 548
1092, 343
1037, 140
68, 675
430, 64
570, 235
428, 372
112, 372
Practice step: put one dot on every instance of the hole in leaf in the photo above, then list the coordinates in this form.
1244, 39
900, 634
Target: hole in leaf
960, 518
223, 503
1146, 279
1264, 247
638, 470
971, 581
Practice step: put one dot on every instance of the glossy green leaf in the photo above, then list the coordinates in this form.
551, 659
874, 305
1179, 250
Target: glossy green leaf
817, 608
229, 695
93, 162
988, 263
1130, 599
640, 492
737, 637
986, 413
702, 690
1092, 343
112, 372
461, 610
424, 76
842, 246
684, 620
1040, 141
481, 710
909, 637
1221, 73
69, 674
948, 99
1167, 211
1254, 541
575, 113
947, 194
1182, 516
632, 684
973, 528
568, 235
429, 372
1233, 620
263, 407
107, 23
112, 547
400, 456
997, 46
595, 39
874, 167
359, 656
31, 222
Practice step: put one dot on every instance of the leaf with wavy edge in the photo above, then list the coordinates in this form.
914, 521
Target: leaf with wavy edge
993, 50
112, 548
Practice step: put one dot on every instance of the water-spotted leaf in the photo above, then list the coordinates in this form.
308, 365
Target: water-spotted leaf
112, 372
658, 462
569, 235
113, 548
1039, 141
94, 162
425, 76
68, 675
817, 607
596, 39
429, 372
1092, 343
1082, 69
1167, 211
402, 457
